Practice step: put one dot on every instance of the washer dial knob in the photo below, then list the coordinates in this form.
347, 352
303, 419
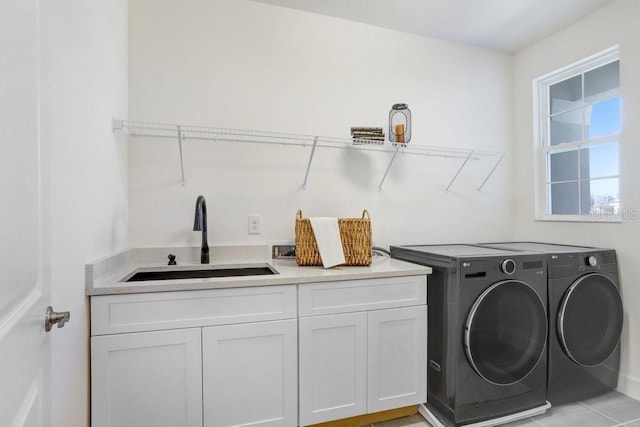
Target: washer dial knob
592, 261
508, 266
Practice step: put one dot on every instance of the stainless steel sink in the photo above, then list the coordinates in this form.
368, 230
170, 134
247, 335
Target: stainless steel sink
200, 273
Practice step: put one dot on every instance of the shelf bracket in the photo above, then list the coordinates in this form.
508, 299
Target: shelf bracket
491, 172
179, 130
459, 170
386, 172
116, 124
313, 150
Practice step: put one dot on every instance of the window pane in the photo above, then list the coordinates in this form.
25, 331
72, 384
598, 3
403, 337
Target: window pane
603, 118
585, 197
603, 197
599, 160
564, 198
565, 95
566, 127
563, 166
603, 82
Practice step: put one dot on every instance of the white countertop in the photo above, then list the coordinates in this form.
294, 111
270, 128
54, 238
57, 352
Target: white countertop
103, 277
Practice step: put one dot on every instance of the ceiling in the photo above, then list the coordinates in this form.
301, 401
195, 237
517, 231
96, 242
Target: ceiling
504, 25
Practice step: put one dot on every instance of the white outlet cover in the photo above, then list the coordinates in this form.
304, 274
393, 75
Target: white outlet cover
255, 224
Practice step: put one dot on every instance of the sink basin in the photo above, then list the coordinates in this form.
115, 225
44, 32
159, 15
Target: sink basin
201, 273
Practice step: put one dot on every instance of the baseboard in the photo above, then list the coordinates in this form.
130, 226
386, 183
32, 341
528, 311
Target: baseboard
366, 419
629, 386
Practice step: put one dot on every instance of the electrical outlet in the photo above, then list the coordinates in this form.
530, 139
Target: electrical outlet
282, 251
255, 224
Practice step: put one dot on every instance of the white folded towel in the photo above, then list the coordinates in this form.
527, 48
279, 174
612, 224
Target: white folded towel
327, 234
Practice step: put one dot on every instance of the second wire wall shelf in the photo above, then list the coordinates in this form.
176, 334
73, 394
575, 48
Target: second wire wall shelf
182, 133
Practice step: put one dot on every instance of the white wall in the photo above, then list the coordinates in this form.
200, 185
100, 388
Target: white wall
614, 24
247, 65
84, 84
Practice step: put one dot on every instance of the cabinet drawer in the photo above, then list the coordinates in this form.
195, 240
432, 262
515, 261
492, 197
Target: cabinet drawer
112, 314
361, 295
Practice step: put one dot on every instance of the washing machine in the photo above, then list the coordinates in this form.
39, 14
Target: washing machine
487, 331
585, 319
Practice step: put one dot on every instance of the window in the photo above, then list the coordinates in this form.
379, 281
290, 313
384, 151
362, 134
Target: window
578, 141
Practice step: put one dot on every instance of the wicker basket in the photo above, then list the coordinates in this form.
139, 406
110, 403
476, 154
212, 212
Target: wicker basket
355, 234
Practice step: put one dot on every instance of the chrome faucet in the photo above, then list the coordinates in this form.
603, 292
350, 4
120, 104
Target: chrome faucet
200, 224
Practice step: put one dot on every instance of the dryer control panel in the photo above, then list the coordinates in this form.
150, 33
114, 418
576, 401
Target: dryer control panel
565, 264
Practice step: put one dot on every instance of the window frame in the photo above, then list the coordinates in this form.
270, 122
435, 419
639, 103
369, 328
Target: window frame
542, 148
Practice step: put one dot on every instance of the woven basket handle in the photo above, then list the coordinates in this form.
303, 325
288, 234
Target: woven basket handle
299, 214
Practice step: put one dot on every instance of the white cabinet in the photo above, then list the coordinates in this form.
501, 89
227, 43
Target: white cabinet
333, 367
270, 356
213, 358
250, 374
370, 356
147, 379
397, 358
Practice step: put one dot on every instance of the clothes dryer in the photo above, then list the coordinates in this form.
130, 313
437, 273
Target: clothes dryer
585, 319
487, 331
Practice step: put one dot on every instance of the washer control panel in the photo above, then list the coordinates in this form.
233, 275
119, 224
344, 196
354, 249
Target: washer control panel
528, 267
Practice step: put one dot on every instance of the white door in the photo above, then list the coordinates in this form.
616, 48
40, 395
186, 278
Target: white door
397, 358
147, 379
250, 374
24, 264
333, 367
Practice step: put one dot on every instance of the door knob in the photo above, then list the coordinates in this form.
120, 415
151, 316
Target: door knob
52, 318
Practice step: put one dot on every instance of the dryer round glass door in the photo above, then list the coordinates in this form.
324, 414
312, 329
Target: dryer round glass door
590, 320
506, 332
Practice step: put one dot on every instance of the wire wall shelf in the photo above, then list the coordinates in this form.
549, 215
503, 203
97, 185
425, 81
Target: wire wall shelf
182, 133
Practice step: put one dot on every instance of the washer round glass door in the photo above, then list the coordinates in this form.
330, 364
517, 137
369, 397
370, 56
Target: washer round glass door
590, 320
506, 332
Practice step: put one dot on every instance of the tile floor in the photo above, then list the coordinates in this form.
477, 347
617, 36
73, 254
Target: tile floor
611, 410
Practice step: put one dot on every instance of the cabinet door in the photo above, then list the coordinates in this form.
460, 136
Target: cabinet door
333, 367
397, 341
149, 379
250, 374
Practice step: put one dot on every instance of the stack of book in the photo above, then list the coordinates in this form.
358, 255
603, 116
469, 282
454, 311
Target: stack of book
367, 135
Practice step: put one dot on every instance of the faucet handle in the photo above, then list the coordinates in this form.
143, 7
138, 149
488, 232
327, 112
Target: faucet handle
172, 259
